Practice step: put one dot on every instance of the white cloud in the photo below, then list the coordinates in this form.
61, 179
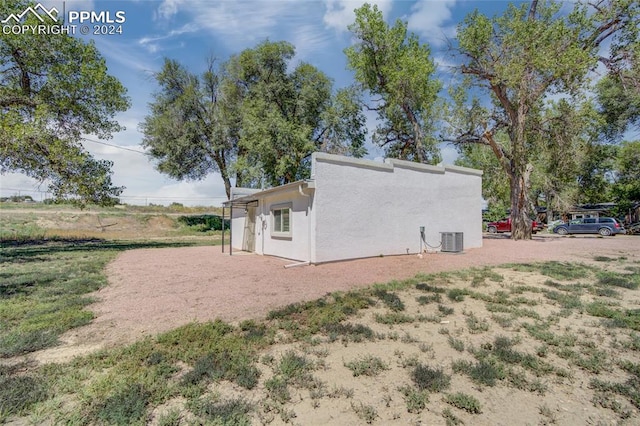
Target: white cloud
431, 19
449, 153
168, 8
340, 13
123, 53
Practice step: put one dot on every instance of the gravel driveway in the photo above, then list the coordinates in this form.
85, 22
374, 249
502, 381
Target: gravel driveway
156, 290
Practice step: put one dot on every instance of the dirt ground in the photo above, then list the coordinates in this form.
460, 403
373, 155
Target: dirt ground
155, 290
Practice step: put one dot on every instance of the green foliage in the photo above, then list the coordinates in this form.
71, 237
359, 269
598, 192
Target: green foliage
394, 67
394, 318
391, 300
619, 98
55, 89
128, 405
456, 344
294, 368
278, 389
618, 317
367, 366
415, 399
312, 317
224, 363
626, 189
231, 412
558, 270
349, 332
629, 281
430, 379
518, 60
205, 222
457, 294
464, 402
255, 118
19, 392
484, 372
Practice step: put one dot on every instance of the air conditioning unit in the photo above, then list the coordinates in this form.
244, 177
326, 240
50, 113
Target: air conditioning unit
451, 241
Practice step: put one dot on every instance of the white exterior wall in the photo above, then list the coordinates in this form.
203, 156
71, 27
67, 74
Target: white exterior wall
298, 246
362, 208
365, 208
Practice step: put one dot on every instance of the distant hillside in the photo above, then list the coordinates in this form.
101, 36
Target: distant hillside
23, 221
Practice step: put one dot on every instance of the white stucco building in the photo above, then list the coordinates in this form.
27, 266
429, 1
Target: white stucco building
353, 208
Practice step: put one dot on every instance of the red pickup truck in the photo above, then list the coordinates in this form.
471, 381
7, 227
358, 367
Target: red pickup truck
504, 225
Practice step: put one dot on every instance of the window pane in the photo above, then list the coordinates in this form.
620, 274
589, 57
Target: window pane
277, 220
285, 220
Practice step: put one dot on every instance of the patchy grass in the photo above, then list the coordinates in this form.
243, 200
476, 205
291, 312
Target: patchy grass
302, 359
44, 288
464, 402
367, 366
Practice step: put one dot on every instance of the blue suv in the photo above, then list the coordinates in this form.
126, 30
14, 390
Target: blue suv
604, 226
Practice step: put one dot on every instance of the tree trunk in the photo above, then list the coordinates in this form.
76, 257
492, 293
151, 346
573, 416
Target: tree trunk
417, 133
521, 225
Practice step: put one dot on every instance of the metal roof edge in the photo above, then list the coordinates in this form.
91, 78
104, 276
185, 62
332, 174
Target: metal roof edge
282, 188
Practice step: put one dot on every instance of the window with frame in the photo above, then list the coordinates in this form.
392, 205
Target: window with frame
281, 220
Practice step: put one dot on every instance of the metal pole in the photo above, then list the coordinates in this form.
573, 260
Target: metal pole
223, 228
230, 229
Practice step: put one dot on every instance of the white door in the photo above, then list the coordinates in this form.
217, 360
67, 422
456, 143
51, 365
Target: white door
249, 239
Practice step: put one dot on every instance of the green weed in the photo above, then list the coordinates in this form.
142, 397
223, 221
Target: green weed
431, 288
457, 294
394, 318
430, 379
608, 278
231, 412
456, 344
391, 300
415, 399
366, 412
558, 270
622, 318
425, 300
367, 366
128, 405
476, 325
19, 392
484, 372
450, 418
464, 402
349, 332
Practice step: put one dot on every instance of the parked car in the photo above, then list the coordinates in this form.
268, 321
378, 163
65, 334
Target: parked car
591, 225
504, 225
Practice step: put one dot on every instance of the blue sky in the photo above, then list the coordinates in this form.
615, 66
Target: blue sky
190, 31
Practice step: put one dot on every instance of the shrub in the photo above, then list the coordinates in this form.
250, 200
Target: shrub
432, 380
464, 402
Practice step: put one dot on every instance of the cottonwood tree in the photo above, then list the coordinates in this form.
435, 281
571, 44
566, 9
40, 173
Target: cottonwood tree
618, 93
53, 90
397, 71
191, 130
519, 60
251, 119
626, 188
288, 113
